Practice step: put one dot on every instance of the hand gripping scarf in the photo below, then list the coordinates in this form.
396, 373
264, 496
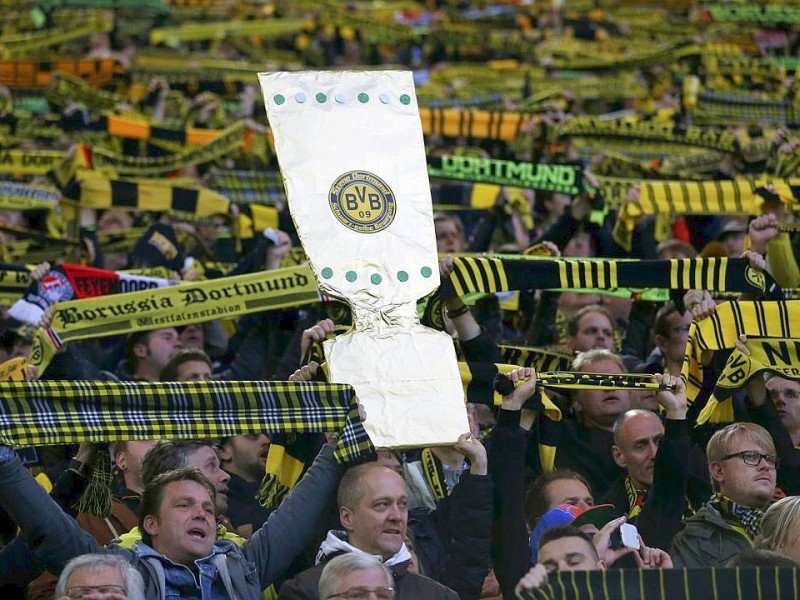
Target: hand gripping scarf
765, 319
780, 356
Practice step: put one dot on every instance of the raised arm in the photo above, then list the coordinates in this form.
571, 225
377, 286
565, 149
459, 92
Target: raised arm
50, 533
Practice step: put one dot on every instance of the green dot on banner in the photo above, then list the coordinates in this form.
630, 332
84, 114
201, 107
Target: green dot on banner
376, 279
327, 272
426, 271
405, 99
351, 276
279, 99
402, 276
321, 97
363, 98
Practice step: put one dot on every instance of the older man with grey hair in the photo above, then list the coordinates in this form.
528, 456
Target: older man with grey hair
100, 577
354, 576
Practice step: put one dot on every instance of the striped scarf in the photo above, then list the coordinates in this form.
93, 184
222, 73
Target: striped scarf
246, 187
730, 320
779, 356
34, 413
26, 73
720, 197
662, 132
95, 191
485, 383
491, 275
541, 359
744, 516
738, 583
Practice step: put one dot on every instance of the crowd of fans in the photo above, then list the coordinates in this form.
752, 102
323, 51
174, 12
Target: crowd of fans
521, 495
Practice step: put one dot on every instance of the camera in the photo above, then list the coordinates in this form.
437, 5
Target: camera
627, 536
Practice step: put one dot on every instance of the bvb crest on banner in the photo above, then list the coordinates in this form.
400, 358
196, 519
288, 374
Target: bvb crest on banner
351, 152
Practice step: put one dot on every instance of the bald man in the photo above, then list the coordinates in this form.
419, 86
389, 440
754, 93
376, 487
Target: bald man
657, 490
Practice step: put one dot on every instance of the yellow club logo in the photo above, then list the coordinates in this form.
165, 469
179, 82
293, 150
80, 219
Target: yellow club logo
362, 201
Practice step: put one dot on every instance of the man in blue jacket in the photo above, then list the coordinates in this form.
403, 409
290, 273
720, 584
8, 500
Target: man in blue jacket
179, 555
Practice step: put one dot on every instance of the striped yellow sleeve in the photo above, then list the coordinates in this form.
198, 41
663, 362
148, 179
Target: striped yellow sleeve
781, 261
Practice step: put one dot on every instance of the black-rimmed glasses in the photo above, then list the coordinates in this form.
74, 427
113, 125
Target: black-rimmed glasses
753, 458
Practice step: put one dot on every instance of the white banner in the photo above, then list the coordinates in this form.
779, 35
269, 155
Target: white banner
351, 152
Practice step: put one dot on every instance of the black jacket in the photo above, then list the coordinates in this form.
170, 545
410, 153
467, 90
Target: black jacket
588, 452
452, 542
243, 508
674, 490
510, 553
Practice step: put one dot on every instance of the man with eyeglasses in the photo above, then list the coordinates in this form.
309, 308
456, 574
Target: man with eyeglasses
743, 464
99, 577
356, 576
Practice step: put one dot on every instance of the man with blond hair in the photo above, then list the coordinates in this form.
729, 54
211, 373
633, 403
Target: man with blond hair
742, 463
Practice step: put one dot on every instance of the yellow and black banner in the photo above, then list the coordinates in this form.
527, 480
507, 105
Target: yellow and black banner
98, 192
780, 356
21, 196
29, 162
171, 307
740, 583
665, 132
489, 275
729, 320
720, 197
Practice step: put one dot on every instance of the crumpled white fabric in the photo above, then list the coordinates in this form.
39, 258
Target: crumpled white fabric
326, 125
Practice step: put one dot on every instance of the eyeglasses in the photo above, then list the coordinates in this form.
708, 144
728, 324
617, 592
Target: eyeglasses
363, 593
78, 592
753, 458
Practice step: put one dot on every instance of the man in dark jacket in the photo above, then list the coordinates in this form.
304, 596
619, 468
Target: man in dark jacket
244, 458
373, 510
584, 444
657, 489
742, 463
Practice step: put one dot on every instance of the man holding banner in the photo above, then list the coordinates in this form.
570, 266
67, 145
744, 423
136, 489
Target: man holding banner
179, 555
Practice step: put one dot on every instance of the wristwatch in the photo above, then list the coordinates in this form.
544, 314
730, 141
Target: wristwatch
78, 467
